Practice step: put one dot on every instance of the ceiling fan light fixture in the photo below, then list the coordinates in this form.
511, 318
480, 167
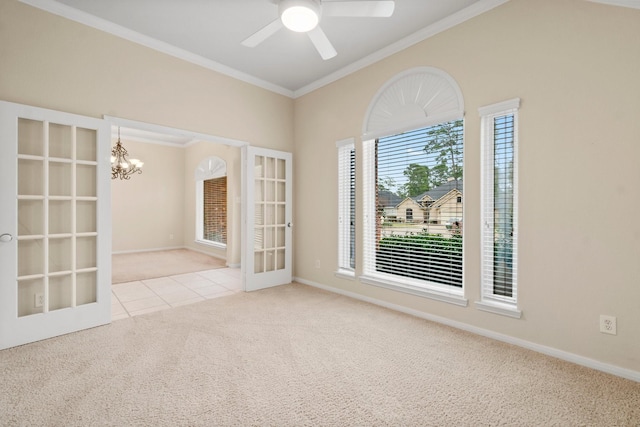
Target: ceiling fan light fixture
300, 15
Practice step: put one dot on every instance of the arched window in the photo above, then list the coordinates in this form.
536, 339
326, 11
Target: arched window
413, 147
211, 201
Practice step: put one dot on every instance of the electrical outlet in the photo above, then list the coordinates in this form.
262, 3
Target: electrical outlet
317, 263
170, 236
38, 300
608, 325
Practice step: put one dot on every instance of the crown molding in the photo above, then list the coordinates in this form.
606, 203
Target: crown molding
634, 4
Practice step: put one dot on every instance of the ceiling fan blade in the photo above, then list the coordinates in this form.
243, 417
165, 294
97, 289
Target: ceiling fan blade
322, 43
262, 34
374, 9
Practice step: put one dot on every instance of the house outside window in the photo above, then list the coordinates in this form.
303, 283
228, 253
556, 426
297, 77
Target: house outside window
499, 207
211, 202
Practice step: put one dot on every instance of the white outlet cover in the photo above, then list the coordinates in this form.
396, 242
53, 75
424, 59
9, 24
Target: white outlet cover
608, 325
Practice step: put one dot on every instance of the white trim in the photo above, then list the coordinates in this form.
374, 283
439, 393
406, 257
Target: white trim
211, 243
463, 15
501, 107
135, 251
634, 4
443, 296
343, 273
549, 351
160, 46
194, 136
347, 141
387, 112
497, 308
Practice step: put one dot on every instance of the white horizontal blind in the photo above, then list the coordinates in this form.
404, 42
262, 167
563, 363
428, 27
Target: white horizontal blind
215, 210
346, 204
414, 206
499, 202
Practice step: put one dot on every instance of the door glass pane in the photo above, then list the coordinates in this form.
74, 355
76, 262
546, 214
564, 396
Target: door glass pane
280, 218
270, 191
59, 216
281, 194
270, 214
259, 214
270, 261
259, 167
86, 288
30, 177
270, 167
282, 170
30, 257
86, 216
86, 181
30, 217
60, 143
269, 238
86, 144
280, 233
28, 290
59, 255
60, 292
86, 255
30, 137
60, 179
258, 240
280, 264
258, 262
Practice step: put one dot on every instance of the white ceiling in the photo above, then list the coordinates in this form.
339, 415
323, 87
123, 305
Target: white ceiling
209, 33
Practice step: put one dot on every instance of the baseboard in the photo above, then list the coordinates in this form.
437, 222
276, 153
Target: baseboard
549, 351
149, 250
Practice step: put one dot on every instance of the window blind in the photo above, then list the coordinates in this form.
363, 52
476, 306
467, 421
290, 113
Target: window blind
499, 203
413, 208
215, 210
346, 205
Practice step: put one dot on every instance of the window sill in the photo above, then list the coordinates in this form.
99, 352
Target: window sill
443, 296
499, 308
211, 244
345, 274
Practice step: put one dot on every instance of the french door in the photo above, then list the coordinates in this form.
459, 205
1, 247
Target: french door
55, 240
267, 233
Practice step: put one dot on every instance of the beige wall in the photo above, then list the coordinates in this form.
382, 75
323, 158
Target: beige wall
575, 65
135, 203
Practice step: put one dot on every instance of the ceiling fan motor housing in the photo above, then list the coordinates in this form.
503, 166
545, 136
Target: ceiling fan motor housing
300, 15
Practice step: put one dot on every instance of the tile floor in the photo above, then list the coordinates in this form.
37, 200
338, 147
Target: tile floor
145, 296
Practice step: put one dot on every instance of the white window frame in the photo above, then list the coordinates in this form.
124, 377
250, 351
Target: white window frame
491, 302
416, 98
346, 244
209, 168
443, 293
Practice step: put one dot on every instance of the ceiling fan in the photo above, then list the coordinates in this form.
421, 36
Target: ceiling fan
303, 16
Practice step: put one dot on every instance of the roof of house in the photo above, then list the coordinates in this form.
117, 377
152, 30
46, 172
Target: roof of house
387, 198
439, 191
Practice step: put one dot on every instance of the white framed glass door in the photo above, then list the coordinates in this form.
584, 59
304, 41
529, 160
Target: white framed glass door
55, 249
267, 232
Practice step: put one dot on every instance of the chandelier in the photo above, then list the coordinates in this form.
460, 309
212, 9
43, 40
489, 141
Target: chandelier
121, 167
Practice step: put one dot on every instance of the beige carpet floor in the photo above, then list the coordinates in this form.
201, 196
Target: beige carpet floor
298, 356
136, 266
